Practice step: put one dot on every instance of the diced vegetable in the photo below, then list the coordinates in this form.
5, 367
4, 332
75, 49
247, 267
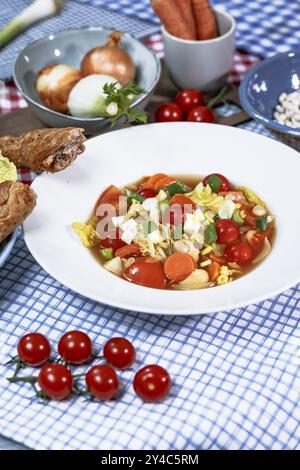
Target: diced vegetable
114, 266
215, 183
107, 253
236, 217
253, 198
176, 188
134, 196
178, 232
262, 224
210, 234
164, 205
87, 234
149, 226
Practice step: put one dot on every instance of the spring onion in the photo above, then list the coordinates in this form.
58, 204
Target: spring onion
149, 227
164, 205
262, 224
37, 11
214, 182
107, 253
178, 232
210, 234
236, 217
176, 188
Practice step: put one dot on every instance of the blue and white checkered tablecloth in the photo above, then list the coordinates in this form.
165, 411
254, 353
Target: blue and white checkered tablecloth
236, 374
264, 27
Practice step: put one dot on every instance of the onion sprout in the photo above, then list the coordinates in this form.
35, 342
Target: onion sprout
37, 11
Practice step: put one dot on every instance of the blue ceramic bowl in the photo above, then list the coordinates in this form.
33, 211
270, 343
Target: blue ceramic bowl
262, 86
69, 47
7, 246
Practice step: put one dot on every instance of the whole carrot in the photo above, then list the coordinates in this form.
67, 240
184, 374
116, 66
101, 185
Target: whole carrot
186, 9
205, 19
170, 16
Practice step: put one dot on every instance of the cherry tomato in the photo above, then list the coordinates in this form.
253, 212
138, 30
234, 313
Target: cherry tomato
201, 114
168, 112
225, 185
146, 271
102, 382
239, 252
34, 349
189, 99
119, 352
112, 239
147, 192
228, 231
55, 381
75, 347
110, 196
152, 383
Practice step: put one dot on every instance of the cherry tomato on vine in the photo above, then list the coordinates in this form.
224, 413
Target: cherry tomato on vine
112, 239
119, 352
146, 271
201, 114
147, 192
168, 112
102, 382
34, 349
152, 383
239, 252
55, 381
228, 231
75, 347
189, 99
225, 185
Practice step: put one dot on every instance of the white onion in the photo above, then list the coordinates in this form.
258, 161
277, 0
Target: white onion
87, 98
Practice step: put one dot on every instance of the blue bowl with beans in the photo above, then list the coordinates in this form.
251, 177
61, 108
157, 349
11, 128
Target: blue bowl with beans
264, 84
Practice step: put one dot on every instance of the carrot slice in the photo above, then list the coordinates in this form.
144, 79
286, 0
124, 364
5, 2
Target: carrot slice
152, 180
213, 271
163, 182
171, 17
179, 266
205, 20
129, 250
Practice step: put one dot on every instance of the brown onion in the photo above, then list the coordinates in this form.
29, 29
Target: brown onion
54, 84
110, 59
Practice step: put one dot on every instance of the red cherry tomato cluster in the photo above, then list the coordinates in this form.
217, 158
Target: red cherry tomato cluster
56, 381
189, 106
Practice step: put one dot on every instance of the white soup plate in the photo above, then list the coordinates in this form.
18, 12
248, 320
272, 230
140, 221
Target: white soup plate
269, 168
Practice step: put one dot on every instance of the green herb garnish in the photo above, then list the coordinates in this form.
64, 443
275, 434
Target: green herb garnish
262, 224
210, 234
122, 98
